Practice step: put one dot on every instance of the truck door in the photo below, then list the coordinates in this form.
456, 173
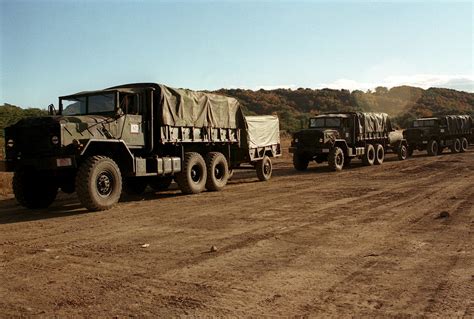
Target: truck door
132, 124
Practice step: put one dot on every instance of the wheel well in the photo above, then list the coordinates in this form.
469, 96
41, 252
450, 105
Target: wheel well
118, 151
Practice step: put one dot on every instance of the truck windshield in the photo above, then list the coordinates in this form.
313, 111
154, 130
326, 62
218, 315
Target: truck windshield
324, 122
92, 104
424, 123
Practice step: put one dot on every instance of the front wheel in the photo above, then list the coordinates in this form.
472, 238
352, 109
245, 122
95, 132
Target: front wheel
300, 162
33, 190
98, 183
336, 159
403, 152
432, 148
264, 169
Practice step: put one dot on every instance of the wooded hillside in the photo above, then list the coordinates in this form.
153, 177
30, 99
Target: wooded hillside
294, 107
403, 103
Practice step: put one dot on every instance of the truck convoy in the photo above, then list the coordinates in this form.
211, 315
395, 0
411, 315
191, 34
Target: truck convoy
434, 134
337, 138
131, 136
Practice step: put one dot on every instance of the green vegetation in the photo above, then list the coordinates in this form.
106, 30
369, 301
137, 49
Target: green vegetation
403, 103
10, 114
294, 107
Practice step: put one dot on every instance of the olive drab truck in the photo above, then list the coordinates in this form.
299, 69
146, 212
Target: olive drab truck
434, 134
337, 138
128, 137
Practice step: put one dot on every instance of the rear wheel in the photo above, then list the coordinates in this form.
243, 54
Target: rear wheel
456, 146
432, 148
33, 189
464, 144
336, 159
369, 157
264, 169
300, 162
192, 179
217, 171
98, 183
160, 183
379, 154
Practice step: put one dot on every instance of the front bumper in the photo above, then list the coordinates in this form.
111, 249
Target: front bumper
310, 150
44, 163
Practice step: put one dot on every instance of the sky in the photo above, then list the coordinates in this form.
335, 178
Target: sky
54, 48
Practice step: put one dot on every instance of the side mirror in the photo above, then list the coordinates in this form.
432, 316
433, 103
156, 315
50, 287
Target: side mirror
51, 109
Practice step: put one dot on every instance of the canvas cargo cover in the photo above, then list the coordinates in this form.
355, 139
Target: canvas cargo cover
262, 130
182, 107
370, 122
457, 123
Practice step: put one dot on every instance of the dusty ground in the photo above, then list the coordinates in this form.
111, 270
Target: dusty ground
365, 242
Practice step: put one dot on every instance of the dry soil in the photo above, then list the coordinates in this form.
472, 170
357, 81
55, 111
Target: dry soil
393, 240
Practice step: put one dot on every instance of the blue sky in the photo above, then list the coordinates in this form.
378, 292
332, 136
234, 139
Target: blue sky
52, 48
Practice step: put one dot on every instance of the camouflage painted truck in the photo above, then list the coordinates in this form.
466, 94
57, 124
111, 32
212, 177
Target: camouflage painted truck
132, 136
434, 134
337, 138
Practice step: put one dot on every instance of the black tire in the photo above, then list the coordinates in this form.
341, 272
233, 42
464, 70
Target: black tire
379, 154
464, 144
336, 159
300, 162
160, 183
432, 148
33, 190
369, 157
134, 185
217, 171
98, 183
456, 146
192, 178
264, 169
404, 152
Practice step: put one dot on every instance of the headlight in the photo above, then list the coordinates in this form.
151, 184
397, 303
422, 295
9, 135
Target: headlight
296, 140
55, 140
321, 140
10, 143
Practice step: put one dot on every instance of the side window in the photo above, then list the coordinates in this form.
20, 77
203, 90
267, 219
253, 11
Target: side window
130, 104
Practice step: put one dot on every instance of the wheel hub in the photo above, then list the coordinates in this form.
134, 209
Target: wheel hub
195, 174
104, 183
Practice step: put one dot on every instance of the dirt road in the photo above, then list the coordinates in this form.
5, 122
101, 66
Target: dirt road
367, 242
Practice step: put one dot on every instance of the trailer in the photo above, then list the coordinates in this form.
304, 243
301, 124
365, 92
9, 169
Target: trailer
127, 137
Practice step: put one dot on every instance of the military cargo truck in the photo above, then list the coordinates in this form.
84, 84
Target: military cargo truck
133, 136
337, 138
434, 134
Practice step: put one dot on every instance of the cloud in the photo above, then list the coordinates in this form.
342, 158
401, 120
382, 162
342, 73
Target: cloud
457, 82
